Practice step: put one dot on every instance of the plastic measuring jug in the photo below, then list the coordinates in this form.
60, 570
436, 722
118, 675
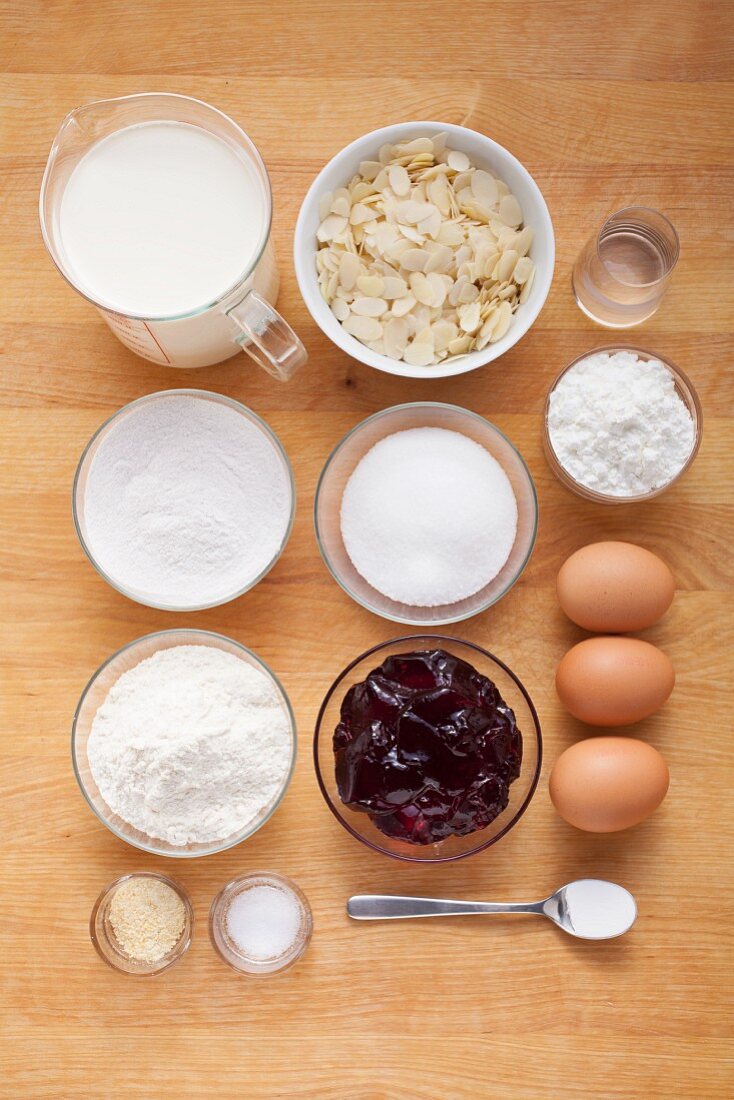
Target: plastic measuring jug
242, 316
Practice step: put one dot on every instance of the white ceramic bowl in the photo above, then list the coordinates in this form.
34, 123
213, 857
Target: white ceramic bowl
484, 153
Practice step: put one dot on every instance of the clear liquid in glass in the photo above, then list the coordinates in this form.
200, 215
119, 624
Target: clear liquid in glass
622, 274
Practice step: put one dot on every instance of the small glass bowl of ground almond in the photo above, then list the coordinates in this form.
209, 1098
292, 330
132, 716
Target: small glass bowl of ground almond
142, 923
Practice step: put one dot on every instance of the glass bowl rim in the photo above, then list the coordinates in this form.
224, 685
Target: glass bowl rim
485, 653
401, 620
180, 950
240, 408
239, 839
694, 403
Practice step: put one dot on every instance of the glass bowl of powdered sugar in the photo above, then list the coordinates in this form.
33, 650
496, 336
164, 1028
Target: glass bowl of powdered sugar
426, 514
183, 500
184, 743
621, 425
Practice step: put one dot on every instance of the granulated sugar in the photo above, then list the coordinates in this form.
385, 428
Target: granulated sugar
428, 517
264, 921
186, 502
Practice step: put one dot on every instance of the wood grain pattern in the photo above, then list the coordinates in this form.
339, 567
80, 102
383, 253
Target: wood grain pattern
605, 103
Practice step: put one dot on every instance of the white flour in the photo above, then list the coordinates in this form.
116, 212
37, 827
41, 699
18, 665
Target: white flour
186, 501
617, 424
191, 745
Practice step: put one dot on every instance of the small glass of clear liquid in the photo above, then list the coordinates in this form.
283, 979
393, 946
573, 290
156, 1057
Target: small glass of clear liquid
623, 271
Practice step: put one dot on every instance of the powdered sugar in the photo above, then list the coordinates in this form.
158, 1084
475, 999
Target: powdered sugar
190, 746
617, 424
186, 501
428, 517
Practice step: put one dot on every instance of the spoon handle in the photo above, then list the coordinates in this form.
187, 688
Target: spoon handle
390, 907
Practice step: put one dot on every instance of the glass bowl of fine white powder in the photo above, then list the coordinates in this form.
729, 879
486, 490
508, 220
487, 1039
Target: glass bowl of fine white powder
184, 743
426, 514
621, 425
183, 500
260, 923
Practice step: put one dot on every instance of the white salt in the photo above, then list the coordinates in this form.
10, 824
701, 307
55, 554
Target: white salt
428, 517
264, 921
186, 501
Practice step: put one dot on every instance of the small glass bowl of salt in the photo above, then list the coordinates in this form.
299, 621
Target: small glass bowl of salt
260, 923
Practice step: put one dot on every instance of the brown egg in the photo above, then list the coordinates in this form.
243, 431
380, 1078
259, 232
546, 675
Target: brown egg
614, 681
615, 587
608, 783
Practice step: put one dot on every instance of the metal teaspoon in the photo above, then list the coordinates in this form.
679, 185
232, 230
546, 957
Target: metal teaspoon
588, 908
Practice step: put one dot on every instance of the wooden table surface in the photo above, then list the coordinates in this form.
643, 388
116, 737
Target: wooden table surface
606, 104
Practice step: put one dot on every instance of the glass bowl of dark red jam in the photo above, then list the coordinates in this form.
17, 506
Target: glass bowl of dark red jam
349, 453
427, 748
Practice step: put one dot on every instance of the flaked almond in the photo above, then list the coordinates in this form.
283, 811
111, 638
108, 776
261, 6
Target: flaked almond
422, 256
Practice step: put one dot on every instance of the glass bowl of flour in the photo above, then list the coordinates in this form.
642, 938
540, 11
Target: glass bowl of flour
184, 743
183, 500
621, 425
426, 514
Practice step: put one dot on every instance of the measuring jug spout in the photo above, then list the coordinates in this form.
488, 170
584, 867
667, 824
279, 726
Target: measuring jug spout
78, 132
69, 132
81, 128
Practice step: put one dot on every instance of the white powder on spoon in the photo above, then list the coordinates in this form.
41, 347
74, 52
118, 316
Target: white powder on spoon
598, 909
428, 517
186, 501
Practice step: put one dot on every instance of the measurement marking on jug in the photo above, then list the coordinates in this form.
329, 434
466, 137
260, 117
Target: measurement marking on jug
137, 335
152, 336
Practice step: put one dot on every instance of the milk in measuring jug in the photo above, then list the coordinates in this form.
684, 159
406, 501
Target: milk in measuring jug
157, 208
160, 219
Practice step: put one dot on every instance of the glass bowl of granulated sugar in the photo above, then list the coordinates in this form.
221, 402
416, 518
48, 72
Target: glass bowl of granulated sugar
183, 500
426, 514
184, 743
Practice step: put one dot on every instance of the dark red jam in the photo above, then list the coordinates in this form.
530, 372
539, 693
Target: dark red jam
427, 747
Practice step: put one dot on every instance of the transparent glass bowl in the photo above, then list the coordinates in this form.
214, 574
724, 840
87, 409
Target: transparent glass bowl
349, 452
105, 941
82, 475
228, 950
684, 389
521, 791
96, 691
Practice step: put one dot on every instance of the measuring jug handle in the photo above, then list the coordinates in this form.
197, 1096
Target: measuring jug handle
266, 337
